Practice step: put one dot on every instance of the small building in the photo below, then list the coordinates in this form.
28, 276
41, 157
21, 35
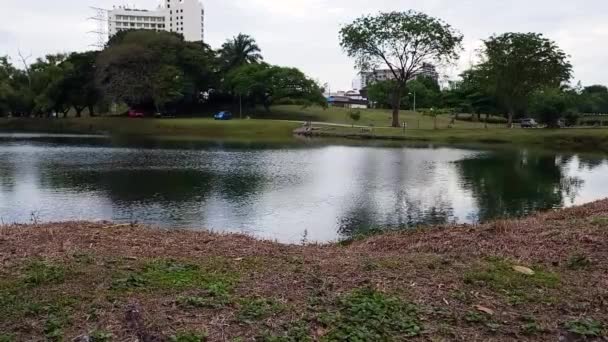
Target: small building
347, 99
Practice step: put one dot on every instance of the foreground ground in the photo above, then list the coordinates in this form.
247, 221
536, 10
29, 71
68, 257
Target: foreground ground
533, 279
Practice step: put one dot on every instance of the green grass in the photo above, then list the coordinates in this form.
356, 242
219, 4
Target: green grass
253, 309
169, 274
375, 117
196, 128
585, 327
188, 336
498, 275
279, 124
41, 272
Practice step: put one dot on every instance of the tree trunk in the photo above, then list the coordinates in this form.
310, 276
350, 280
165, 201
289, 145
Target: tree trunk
91, 110
487, 119
78, 111
396, 105
510, 118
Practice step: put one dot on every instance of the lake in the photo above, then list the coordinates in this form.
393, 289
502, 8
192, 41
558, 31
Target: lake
291, 193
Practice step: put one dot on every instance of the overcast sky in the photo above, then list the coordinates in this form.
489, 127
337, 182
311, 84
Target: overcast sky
304, 33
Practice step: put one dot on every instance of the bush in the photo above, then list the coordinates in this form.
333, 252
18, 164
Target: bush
572, 119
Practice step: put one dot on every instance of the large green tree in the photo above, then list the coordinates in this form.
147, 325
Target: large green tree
79, 82
265, 84
149, 69
470, 94
47, 78
550, 105
401, 42
518, 64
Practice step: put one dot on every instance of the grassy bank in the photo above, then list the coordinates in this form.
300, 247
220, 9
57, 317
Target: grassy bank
375, 117
238, 130
534, 279
279, 126
592, 140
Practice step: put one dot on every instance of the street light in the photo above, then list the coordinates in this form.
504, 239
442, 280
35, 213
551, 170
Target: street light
414, 100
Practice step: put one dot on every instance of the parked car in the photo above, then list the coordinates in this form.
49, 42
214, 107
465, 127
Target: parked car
134, 113
223, 116
528, 123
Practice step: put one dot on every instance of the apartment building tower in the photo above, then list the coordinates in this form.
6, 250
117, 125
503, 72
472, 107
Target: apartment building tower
186, 17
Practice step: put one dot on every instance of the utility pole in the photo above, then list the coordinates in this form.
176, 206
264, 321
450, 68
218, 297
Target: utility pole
414, 93
103, 20
240, 106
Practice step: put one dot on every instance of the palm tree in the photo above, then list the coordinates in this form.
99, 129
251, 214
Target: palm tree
240, 50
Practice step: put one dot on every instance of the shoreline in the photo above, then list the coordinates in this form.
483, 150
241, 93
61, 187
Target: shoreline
575, 139
436, 283
288, 131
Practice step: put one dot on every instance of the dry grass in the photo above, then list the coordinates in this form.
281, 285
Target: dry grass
61, 281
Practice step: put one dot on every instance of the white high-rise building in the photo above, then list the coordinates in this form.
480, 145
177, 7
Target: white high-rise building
182, 16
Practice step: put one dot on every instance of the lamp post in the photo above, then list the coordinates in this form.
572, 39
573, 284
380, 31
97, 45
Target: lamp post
414, 100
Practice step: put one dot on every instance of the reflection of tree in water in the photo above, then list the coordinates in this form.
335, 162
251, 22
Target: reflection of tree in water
514, 184
406, 210
156, 185
409, 213
590, 162
8, 170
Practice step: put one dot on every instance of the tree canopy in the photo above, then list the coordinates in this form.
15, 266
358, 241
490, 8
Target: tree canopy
515, 65
265, 84
401, 42
238, 51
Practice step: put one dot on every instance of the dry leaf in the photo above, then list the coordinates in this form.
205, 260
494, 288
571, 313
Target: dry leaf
523, 270
484, 309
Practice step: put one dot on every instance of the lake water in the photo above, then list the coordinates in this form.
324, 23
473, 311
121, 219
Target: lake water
293, 193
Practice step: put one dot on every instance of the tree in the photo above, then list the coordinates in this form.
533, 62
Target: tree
550, 105
238, 51
79, 83
166, 86
380, 94
518, 64
151, 69
266, 84
471, 95
47, 76
426, 89
403, 42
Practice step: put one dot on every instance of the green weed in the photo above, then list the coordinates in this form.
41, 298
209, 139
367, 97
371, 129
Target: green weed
41, 273
258, 308
585, 327
188, 337
368, 315
101, 336
294, 332
578, 262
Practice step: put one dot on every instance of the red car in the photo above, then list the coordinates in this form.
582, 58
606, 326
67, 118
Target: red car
134, 113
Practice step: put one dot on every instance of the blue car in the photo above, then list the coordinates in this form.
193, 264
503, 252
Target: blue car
223, 116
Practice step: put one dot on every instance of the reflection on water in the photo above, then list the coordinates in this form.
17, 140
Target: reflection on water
320, 193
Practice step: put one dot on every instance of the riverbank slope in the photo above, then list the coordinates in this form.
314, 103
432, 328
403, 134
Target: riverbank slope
533, 279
